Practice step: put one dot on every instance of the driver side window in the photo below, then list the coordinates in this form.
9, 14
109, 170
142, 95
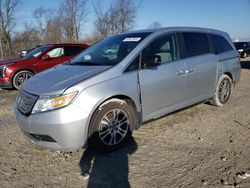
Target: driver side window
56, 52
164, 48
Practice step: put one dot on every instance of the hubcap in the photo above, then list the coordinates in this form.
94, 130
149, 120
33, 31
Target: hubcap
22, 77
224, 91
113, 127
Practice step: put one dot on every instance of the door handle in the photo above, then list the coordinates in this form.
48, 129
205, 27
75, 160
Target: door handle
187, 71
191, 69
178, 73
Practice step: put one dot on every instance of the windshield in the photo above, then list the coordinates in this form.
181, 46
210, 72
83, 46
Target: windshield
36, 52
109, 51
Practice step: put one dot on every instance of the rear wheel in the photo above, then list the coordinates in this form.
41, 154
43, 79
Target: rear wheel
20, 77
223, 91
111, 125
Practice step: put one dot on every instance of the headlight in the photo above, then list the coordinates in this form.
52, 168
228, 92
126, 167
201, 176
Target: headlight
46, 103
4, 68
240, 50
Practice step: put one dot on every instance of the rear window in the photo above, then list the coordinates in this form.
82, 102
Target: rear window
220, 44
196, 44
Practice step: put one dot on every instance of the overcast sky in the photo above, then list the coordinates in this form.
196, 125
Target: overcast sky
232, 16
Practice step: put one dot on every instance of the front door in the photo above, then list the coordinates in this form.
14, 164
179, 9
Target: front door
53, 57
163, 87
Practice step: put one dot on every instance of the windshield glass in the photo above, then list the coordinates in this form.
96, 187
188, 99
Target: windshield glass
109, 51
36, 52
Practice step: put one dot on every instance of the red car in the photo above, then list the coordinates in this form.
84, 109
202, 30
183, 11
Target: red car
14, 72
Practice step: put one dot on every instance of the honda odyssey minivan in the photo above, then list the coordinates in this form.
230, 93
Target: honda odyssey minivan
113, 87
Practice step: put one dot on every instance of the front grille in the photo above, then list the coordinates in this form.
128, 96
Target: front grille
25, 102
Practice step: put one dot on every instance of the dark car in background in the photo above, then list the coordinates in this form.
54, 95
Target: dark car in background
243, 48
14, 72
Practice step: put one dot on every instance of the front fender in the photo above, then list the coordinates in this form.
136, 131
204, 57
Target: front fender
92, 97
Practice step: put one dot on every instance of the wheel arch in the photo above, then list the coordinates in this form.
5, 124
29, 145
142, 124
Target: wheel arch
119, 97
23, 69
231, 77
19, 70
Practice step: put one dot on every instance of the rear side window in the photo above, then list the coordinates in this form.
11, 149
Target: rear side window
72, 50
195, 44
220, 44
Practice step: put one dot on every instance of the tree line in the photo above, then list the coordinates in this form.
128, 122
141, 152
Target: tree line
66, 23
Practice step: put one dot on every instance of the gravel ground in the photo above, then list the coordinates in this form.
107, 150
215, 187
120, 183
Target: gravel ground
202, 146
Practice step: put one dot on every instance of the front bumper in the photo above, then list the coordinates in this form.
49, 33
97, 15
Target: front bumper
66, 128
5, 83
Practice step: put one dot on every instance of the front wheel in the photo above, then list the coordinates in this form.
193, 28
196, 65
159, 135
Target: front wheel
223, 91
111, 125
20, 78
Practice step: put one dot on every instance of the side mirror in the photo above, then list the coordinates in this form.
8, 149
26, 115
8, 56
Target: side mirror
46, 57
151, 62
22, 53
157, 60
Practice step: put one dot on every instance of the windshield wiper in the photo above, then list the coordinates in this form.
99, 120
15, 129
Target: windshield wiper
83, 63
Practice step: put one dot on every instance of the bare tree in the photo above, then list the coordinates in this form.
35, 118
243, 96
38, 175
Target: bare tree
155, 25
73, 15
101, 22
126, 11
41, 16
113, 21
26, 39
7, 22
48, 24
54, 30
119, 17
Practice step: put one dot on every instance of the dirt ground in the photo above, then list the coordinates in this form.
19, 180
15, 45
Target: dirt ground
202, 146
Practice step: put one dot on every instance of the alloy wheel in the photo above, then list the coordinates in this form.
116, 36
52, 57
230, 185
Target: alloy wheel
224, 91
113, 127
21, 78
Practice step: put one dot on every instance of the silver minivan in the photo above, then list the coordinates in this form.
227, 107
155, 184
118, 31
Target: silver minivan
113, 87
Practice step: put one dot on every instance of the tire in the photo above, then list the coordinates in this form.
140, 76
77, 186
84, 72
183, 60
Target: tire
111, 125
20, 77
223, 91
244, 54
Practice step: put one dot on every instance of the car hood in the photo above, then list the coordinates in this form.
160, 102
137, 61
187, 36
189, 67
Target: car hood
56, 80
9, 61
